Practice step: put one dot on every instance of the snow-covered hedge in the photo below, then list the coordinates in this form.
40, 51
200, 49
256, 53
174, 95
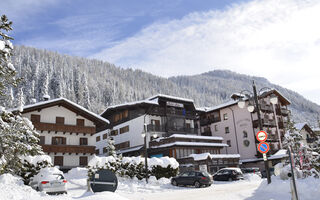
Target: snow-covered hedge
31, 165
134, 166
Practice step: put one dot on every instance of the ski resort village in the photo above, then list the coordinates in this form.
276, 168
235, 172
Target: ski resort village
159, 123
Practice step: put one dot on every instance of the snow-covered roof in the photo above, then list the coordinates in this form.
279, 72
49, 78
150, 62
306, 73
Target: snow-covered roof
282, 153
229, 103
170, 97
204, 156
300, 126
130, 149
196, 137
207, 144
130, 104
42, 103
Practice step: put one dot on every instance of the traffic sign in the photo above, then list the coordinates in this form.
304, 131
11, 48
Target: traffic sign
263, 147
262, 136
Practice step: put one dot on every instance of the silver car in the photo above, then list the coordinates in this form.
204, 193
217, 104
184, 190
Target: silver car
51, 182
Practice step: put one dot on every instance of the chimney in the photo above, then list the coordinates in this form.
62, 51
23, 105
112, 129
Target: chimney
46, 97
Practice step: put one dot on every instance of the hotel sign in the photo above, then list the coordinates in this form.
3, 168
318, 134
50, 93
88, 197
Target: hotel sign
174, 104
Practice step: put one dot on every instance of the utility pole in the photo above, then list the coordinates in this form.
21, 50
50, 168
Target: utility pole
255, 96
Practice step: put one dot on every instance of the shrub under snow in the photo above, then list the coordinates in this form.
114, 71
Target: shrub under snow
134, 166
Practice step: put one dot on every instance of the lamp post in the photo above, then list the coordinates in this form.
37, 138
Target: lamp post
144, 135
251, 107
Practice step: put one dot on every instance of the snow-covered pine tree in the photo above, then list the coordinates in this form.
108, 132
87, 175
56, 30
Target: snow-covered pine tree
17, 136
111, 150
20, 100
85, 93
43, 84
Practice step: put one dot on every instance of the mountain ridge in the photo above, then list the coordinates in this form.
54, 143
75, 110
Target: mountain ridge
96, 84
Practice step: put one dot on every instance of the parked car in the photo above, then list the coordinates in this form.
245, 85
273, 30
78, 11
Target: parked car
49, 180
228, 174
195, 178
252, 170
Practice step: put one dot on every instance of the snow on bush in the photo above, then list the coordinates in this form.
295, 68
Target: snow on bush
134, 166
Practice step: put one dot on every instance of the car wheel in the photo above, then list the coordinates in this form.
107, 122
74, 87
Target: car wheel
230, 179
174, 182
197, 184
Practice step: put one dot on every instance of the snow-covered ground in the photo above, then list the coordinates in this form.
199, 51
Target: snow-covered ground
252, 188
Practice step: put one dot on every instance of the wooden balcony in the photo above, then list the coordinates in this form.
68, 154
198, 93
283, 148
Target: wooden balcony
265, 123
68, 149
64, 128
282, 111
266, 108
170, 129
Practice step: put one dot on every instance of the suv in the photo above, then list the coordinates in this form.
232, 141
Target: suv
195, 178
228, 174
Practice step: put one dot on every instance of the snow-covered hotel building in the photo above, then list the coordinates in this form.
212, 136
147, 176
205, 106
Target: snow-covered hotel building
67, 130
168, 123
238, 127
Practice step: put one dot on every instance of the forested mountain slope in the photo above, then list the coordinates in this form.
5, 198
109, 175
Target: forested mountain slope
96, 84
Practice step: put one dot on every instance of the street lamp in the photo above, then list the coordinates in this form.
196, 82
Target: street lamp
144, 135
251, 107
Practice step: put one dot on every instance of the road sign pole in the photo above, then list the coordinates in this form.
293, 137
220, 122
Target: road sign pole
260, 126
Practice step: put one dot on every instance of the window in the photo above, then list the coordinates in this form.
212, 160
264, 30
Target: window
124, 129
188, 126
59, 120
83, 141
123, 145
120, 116
83, 161
104, 150
42, 140
80, 122
246, 143
35, 118
245, 134
58, 140
215, 127
229, 143
225, 116
58, 161
227, 130
97, 138
114, 132
104, 136
97, 151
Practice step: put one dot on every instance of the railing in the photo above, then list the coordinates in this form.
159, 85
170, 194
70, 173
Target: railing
170, 129
310, 140
265, 107
282, 111
157, 111
207, 121
63, 128
207, 133
265, 123
68, 148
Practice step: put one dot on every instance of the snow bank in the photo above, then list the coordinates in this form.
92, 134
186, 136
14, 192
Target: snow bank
308, 189
100, 161
77, 173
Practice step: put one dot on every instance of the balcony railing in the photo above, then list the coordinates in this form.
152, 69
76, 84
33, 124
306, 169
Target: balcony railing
282, 111
170, 129
265, 107
265, 123
206, 133
68, 148
63, 128
211, 120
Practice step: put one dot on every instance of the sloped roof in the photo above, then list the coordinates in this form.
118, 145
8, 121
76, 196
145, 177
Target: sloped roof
67, 104
170, 97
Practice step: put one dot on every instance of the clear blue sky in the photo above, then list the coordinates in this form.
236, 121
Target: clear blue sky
275, 39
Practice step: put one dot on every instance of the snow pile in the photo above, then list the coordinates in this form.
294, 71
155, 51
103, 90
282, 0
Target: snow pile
252, 177
37, 159
204, 156
101, 161
308, 189
77, 173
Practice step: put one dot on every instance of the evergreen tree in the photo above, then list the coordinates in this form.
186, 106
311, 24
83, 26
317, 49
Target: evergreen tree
17, 136
85, 93
111, 150
43, 85
20, 100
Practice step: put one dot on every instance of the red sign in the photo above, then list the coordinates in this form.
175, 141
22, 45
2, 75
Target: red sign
262, 136
263, 147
